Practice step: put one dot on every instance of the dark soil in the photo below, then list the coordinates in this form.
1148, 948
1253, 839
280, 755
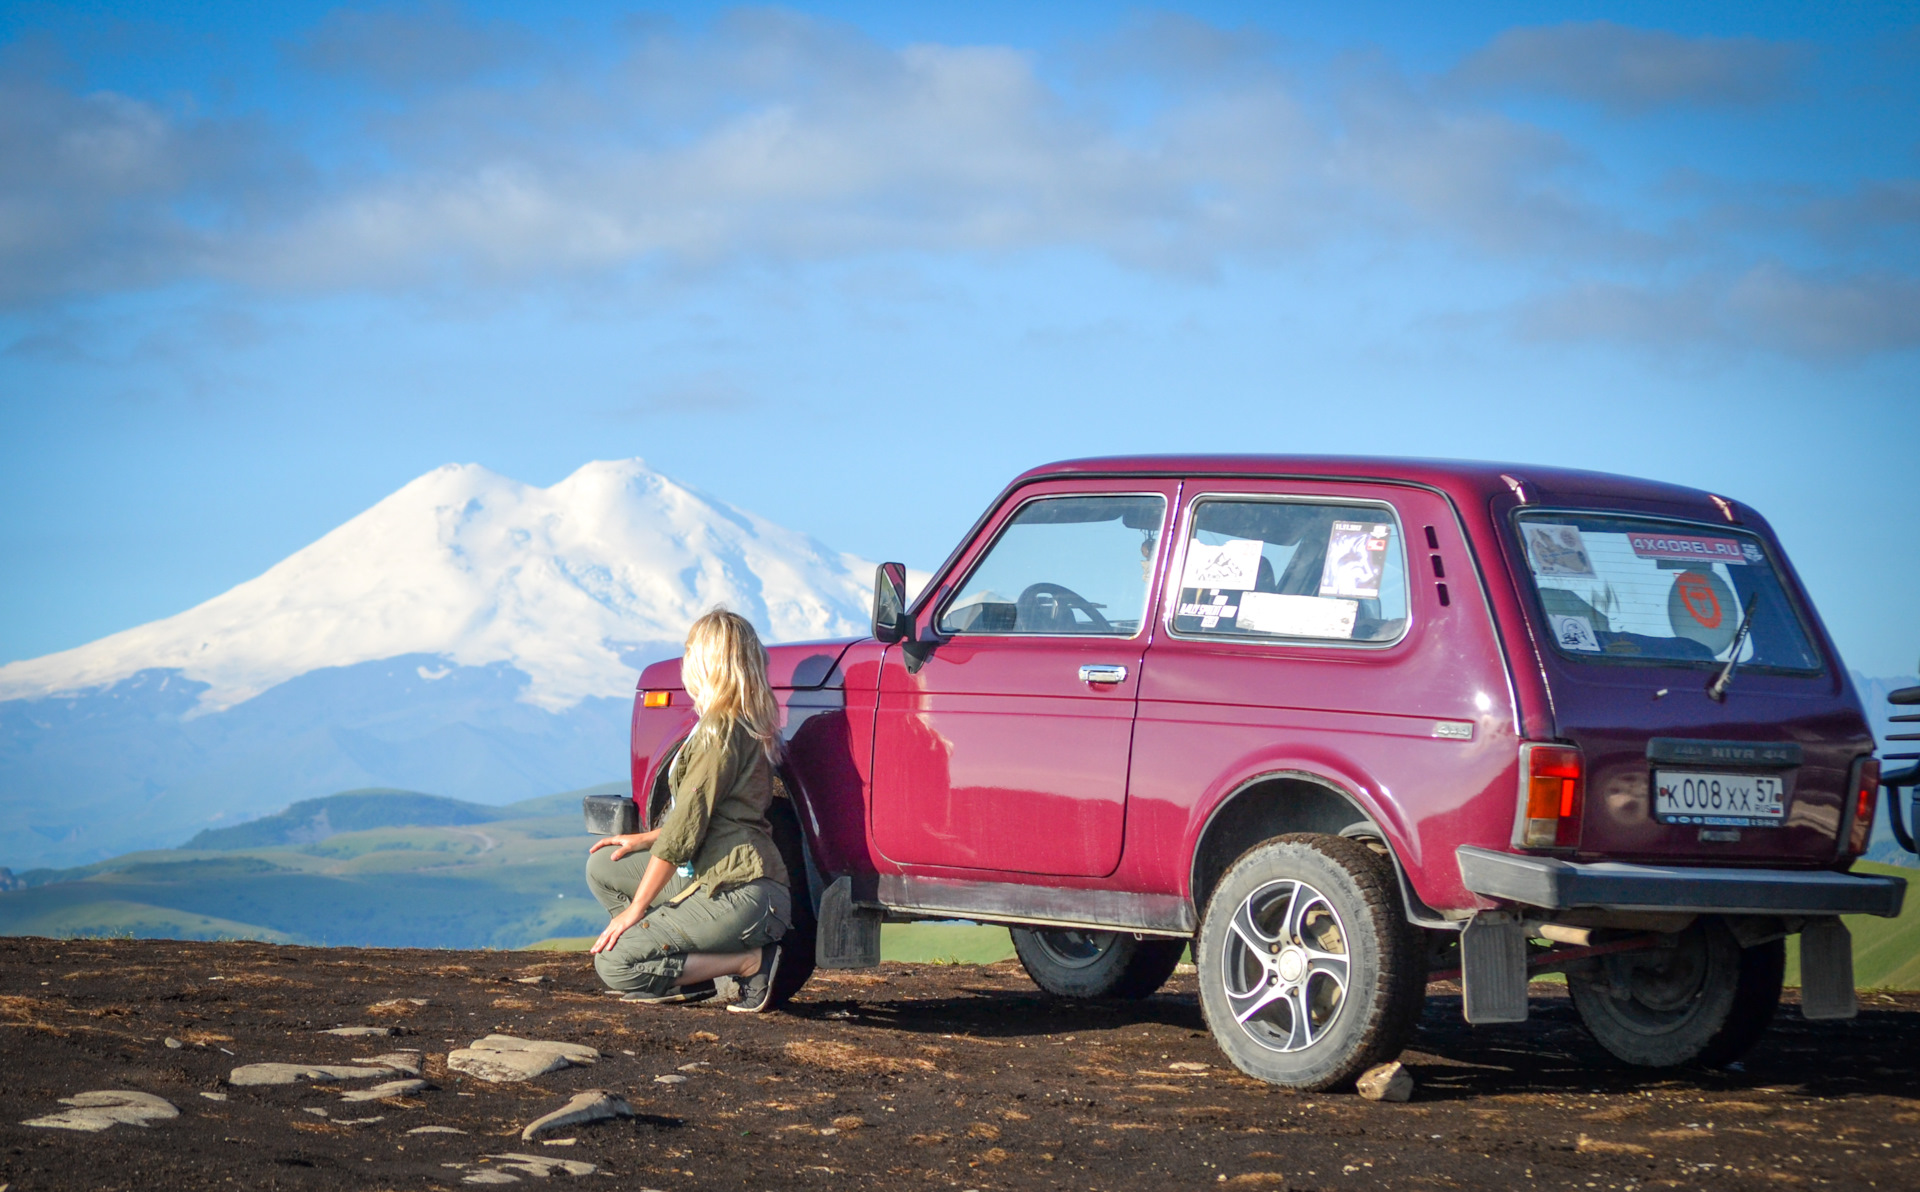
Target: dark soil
909, 1076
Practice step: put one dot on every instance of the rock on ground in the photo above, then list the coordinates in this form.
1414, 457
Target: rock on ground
97, 1110
254, 1074
354, 1031
1386, 1082
592, 1105
504, 1058
383, 1090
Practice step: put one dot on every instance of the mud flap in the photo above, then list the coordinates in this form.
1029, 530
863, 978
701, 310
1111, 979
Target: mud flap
849, 935
1826, 970
1493, 968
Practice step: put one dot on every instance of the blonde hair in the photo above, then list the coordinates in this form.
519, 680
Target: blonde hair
725, 673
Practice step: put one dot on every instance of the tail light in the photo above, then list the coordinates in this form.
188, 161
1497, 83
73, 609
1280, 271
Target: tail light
656, 699
1866, 787
1553, 786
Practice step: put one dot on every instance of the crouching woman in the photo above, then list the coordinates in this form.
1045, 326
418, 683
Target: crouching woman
704, 895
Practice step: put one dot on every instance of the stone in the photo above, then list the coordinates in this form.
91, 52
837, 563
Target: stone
435, 1130
258, 1074
1188, 1066
357, 1031
1386, 1082
504, 1058
542, 1166
380, 1092
488, 1175
315, 1110
592, 1105
214, 1096
366, 1121
530, 980
102, 1108
172, 1043
399, 1061
695, 1066
674, 1078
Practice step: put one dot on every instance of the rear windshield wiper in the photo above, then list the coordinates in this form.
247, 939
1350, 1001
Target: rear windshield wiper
1717, 690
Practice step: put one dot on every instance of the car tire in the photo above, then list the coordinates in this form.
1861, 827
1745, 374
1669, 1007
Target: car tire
797, 945
1309, 971
1096, 964
1705, 1000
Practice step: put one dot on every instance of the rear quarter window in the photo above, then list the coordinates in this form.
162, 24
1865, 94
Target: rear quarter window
1277, 569
1628, 590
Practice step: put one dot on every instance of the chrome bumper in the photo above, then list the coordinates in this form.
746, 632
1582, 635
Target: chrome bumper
1615, 885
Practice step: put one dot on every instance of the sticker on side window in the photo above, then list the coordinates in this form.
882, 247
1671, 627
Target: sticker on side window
1356, 559
1234, 563
1575, 633
1556, 549
1297, 616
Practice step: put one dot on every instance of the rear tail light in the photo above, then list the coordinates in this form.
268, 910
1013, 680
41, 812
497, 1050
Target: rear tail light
656, 699
1866, 786
1553, 786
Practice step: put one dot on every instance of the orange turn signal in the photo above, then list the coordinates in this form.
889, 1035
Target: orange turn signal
656, 699
1552, 787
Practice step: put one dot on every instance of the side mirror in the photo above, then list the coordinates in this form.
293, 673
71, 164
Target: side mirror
890, 621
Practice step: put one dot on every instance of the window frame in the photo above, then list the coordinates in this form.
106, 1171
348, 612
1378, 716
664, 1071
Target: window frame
944, 603
1537, 608
1176, 573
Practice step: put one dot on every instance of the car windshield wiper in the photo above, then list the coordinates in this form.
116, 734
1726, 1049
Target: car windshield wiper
1717, 690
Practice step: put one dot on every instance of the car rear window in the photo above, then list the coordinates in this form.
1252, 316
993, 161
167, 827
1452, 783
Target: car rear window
1637, 590
1300, 570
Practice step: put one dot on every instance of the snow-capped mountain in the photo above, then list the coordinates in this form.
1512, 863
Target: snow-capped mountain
468, 636
569, 584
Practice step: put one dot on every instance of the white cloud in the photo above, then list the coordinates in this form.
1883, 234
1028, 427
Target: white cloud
777, 138
1634, 70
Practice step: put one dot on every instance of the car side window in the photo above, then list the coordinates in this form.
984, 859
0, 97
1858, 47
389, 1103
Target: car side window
1064, 565
1293, 569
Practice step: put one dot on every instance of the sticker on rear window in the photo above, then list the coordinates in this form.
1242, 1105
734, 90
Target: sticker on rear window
1556, 549
1356, 559
1575, 633
1234, 564
1688, 547
1297, 616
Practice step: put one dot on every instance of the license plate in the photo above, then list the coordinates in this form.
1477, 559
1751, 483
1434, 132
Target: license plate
1718, 800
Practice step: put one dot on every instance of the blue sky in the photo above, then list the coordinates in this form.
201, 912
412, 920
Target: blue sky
853, 266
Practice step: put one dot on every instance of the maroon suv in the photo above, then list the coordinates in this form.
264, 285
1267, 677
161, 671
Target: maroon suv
1344, 725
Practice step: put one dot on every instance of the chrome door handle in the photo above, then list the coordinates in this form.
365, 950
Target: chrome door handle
1103, 674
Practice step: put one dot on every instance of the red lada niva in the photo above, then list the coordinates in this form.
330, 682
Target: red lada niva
1345, 726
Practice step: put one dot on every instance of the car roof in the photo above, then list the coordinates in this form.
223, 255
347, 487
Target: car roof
1461, 478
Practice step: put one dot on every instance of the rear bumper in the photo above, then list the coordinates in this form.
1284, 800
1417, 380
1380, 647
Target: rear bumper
1614, 885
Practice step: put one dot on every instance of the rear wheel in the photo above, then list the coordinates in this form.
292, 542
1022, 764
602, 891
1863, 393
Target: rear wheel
1701, 1000
1309, 971
1072, 963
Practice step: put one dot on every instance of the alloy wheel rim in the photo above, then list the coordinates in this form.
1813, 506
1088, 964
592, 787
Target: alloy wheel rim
1074, 949
1285, 965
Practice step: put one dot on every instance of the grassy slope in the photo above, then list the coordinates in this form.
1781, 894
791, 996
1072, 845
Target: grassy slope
1886, 952
501, 883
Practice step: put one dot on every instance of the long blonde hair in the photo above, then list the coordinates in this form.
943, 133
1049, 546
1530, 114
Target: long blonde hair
725, 672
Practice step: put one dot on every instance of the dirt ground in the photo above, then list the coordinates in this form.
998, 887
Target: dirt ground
908, 1076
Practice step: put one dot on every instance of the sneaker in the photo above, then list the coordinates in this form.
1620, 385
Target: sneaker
756, 992
699, 992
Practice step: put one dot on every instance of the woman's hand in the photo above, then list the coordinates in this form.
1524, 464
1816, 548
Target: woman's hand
617, 927
631, 842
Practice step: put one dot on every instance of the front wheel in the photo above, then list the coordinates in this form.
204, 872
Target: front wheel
1091, 964
1309, 971
1701, 999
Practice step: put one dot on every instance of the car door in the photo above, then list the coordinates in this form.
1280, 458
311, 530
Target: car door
1005, 748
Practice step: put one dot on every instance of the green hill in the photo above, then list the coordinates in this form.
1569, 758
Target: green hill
310, 820
498, 877
1886, 952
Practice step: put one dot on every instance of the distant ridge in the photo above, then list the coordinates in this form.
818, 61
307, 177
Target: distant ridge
312, 820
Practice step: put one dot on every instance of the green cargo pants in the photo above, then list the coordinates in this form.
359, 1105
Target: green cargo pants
651, 955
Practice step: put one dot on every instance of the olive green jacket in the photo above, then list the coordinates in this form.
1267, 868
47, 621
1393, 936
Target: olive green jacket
718, 819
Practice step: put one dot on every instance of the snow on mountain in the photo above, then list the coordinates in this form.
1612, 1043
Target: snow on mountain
573, 585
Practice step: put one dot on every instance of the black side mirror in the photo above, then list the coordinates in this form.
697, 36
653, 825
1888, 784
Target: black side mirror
890, 621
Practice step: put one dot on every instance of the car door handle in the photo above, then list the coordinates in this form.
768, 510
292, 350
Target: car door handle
1103, 674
